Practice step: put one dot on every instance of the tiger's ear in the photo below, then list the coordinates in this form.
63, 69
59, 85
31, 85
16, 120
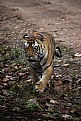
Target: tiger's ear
38, 35
41, 37
25, 36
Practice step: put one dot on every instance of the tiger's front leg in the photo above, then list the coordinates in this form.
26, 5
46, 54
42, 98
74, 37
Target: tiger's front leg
46, 76
34, 74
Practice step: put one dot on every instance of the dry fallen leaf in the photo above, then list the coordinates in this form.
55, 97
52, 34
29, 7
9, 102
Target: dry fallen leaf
77, 55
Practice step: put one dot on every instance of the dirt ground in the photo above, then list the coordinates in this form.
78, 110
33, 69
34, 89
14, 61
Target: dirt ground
61, 101
61, 18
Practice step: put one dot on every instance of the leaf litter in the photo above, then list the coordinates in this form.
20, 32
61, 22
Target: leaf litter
61, 100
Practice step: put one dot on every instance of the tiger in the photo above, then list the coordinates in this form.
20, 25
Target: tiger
40, 50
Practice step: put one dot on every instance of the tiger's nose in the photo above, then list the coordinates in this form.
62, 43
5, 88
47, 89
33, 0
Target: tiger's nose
29, 57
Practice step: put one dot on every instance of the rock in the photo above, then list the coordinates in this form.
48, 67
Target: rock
53, 101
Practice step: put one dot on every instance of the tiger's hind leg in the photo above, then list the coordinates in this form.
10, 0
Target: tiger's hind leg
42, 83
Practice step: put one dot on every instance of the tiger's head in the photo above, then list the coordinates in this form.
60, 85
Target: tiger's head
33, 45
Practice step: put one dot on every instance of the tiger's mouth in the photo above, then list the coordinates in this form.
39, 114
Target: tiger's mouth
32, 59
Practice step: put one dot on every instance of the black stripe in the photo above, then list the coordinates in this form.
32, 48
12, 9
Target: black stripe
44, 62
36, 66
48, 66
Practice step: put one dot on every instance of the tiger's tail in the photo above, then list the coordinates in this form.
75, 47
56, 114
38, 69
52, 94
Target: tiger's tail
58, 52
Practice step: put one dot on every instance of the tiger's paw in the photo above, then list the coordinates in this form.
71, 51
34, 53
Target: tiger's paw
39, 87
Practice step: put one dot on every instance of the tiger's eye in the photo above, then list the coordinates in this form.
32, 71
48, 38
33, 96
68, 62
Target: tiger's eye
35, 45
26, 44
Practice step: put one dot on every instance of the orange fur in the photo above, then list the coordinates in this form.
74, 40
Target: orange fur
40, 59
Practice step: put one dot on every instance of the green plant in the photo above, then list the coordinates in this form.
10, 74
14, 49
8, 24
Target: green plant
32, 106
